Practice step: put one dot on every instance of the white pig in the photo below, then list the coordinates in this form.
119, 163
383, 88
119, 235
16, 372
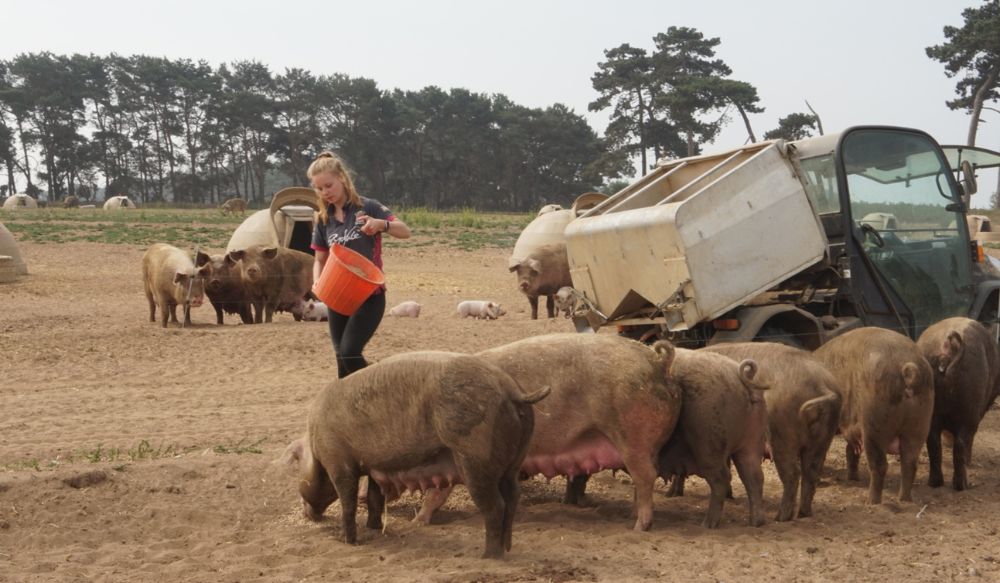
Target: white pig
315, 311
565, 301
480, 309
407, 309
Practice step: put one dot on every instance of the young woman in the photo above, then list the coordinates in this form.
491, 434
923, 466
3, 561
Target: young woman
345, 218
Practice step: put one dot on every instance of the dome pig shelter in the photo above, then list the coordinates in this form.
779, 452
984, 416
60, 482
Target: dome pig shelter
20, 201
288, 222
119, 202
11, 263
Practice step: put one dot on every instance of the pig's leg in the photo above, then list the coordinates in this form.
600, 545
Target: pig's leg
642, 468
173, 312
375, 501
245, 314
877, 467
187, 315
550, 305
748, 468
811, 462
258, 307
936, 478
164, 312
576, 487
533, 300
484, 489
218, 314
676, 486
510, 491
961, 451
909, 455
787, 464
433, 499
853, 458
268, 312
718, 479
152, 307
346, 483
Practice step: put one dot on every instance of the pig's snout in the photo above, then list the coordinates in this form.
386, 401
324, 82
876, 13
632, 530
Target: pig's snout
254, 273
524, 286
310, 512
214, 284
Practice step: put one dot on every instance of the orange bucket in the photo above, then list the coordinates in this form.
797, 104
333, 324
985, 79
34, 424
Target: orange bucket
348, 279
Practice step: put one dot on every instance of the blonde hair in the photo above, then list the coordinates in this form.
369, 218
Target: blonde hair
329, 162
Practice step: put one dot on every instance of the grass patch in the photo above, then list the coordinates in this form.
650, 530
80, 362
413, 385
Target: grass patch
120, 234
240, 448
120, 457
465, 228
123, 216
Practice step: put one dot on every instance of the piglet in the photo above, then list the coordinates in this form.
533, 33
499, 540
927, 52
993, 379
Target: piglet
409, 309
315, 311
480, 309
565, 301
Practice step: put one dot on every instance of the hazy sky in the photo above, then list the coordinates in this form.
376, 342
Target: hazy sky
855, 61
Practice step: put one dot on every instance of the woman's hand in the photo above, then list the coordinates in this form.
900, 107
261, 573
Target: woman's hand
369, 225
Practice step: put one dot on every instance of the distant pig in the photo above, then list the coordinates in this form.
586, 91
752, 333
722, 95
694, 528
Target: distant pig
966, 367
803, 413
599, 416
565, 300
406, 310
542, 273
417, 421
480, 309
723, 418
170, 280
888, 402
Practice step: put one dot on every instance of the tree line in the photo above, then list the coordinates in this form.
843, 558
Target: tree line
182, 131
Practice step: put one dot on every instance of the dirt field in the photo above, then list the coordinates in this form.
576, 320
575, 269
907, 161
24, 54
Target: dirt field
133, 453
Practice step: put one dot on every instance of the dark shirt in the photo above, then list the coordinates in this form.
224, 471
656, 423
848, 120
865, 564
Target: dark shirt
348, 233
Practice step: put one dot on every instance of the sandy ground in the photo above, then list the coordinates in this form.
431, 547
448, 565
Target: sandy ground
133, 453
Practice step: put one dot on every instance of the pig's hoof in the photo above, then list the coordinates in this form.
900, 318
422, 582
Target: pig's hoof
935, 481
783, 516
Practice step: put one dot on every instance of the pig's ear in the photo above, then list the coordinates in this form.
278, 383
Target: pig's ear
235, 256
535, 265
204, 270
270, 252
180, 277
292, 457
201, 258
514, 267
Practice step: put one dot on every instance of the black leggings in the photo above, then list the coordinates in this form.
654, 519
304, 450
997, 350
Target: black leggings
351, 333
